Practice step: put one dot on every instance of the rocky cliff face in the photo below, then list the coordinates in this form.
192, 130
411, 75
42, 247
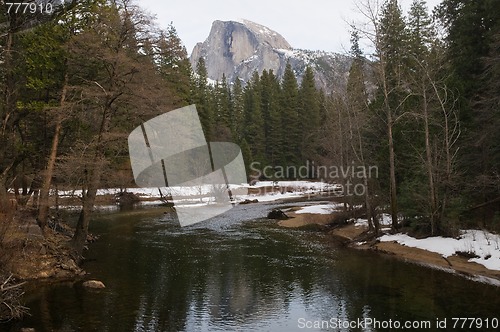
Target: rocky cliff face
237, 49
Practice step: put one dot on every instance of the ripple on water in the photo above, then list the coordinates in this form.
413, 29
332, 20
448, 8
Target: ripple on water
243, 273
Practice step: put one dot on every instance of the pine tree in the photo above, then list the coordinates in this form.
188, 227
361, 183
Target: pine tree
421, 31
237, 111
358, 119
469, 26
265, 98
272, 117
174, 64
202, 93
391, 41
472, 48
309, 115
291, 132
253, 119
322, 106
222, 121
247, 154
421, 171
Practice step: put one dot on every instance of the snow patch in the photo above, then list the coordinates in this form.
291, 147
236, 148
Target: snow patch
318, 209
483, 244
202, 194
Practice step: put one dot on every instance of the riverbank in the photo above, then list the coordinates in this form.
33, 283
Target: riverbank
454, 263
351, 235
27, 254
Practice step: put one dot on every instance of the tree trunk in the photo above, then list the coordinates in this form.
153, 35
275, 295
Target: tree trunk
392, 170
88, 201
392, 164
4, 199
88, 196
9, 90
341, 155
43, 209
370, 213
8, 108
451, 135
82, 227
430, 173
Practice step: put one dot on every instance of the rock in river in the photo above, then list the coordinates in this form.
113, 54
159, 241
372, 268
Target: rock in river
96, 284
277, 214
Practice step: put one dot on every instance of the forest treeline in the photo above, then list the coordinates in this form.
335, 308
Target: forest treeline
423, 108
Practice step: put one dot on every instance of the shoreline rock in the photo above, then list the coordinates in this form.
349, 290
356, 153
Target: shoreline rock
94, 284
277, 214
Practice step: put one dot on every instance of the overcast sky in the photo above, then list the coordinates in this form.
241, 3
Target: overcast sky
306, 24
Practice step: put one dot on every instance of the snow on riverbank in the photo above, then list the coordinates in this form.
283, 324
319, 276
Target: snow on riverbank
384, 220
303, 185
269, 191
483, 244
319, 209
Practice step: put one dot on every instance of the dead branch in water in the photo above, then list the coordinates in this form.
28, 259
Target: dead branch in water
10, 297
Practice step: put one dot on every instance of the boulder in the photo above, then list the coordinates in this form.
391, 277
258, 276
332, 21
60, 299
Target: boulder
126, 199
277, 214
96, 284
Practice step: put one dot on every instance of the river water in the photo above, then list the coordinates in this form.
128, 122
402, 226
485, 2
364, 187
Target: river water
240, 272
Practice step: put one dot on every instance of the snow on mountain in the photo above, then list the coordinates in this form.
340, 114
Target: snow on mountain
238, 48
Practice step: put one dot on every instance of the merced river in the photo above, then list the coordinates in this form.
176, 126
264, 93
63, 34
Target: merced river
241, 272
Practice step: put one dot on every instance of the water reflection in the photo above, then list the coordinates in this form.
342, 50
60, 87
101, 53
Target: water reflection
234, 275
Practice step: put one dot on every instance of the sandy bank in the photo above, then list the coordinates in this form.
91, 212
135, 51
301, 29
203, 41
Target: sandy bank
349, 233
304, 219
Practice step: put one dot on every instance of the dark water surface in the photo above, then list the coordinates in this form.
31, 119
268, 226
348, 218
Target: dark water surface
242, 273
